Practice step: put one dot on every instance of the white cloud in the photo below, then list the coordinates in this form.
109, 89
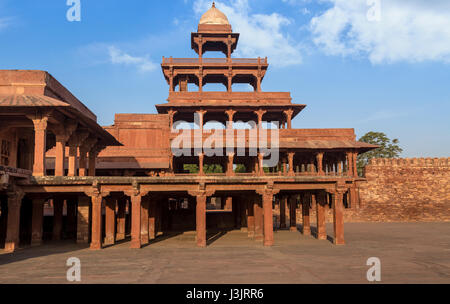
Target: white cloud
5, 22
261, 35
117, 56
408, 30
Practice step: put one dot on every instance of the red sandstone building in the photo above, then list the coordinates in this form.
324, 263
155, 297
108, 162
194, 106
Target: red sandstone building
64, 176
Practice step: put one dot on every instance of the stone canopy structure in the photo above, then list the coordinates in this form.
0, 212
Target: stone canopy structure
104, 184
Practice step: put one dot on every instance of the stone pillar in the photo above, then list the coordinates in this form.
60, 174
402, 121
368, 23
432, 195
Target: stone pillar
83, 220
338, 217
58, 205
73, 155
110, 220
260, 113
92, 161
319, 160
283, 207
250, 217
136, 209
13, 222
289, 114
83, 170
230, 171
242, 205
201, 157
144, 220
120, 230
60, 158
321, 201
40, 145
37, 222
96, 228
291, 164
267, 198
230, 113
152, 218
71, 218
259, 220
261, 164
305, 213
201, 219
228, 203
293, 212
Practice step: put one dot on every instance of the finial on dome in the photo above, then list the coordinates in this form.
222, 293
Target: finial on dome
214, 4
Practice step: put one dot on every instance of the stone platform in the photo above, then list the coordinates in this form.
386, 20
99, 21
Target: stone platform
409, 253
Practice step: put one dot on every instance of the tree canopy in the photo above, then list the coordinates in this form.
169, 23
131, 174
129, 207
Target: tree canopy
387, 148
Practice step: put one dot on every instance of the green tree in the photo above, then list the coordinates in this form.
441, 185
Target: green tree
387, 149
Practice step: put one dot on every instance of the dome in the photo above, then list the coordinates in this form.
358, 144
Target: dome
214, 16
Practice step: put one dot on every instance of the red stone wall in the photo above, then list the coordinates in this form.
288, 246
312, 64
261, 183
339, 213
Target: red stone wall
400, 190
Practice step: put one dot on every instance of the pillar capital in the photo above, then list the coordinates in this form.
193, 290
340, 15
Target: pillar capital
40, 124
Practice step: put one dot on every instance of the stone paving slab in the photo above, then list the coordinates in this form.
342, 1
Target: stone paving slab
409, 253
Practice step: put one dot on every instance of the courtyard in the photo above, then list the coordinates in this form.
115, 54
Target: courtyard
409, 253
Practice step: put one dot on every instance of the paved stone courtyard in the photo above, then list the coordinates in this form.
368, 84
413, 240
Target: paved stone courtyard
409, 253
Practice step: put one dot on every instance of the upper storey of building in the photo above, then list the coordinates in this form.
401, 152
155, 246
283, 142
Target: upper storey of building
214, 35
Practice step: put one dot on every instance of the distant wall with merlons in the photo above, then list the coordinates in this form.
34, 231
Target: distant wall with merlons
400, 190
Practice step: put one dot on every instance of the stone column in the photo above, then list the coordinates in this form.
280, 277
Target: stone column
40, 145
13, 222
305, 213
319, 160
71, 218
289, 114
228, 203
259, 220
144, 220
293, 212
136, 209
201, 219
230, 171
110, 220
260, 113
230, 113
152, 218
291, 164
120, 230
250, 217
73, 155
58, 205
37, 222
267, 198
83, 220
338, 217
61, 141
96, 228
242, 205
261, 164
283, 207
201, 157
320, 214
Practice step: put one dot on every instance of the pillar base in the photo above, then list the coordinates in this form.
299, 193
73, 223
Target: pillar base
135, 245
244, 229
36, 243
293, 229
10, 247
109, 240
321, 236
120, 236
306, 231
144, 240
338, 242
95, 246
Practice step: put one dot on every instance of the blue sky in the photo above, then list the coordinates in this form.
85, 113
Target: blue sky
379, 67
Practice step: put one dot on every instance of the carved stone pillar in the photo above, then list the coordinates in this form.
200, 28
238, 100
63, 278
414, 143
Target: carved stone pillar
120, 230
96, 222
305, 213
283, 207
319, 160
293, 212
58, 204
144, 220
321, 201
110, 220
37, 222
288, 114
338, 216
83, 220
250, 216
13, 222
40, 145
291, 164
259, 218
